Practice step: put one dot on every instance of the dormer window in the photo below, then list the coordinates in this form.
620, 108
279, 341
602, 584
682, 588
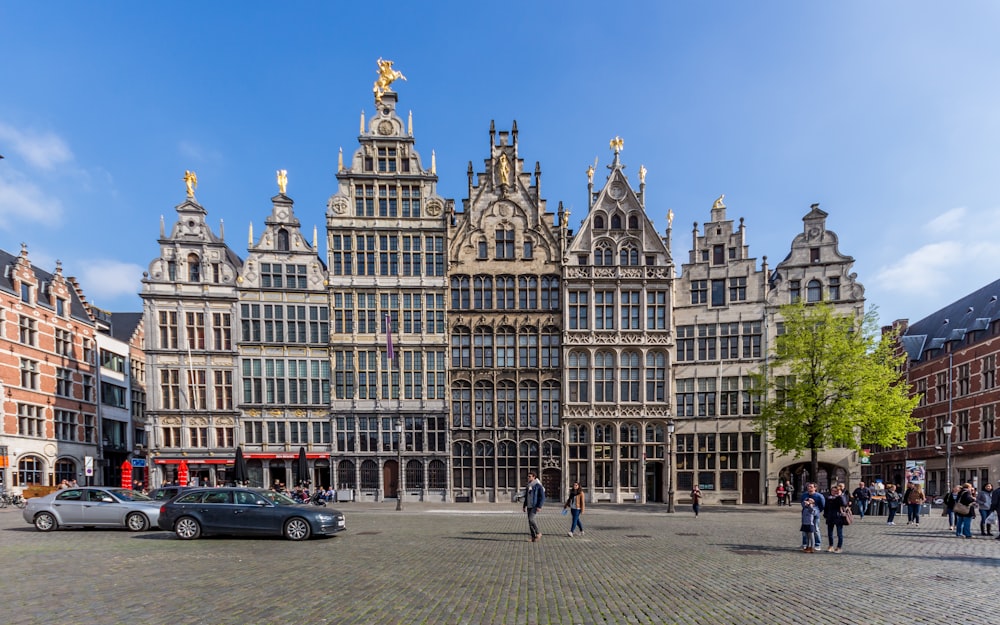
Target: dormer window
505, 244
599, 222
25, 293
60, 307
814, 255
633, 223
281, 241
194, 268
616, 222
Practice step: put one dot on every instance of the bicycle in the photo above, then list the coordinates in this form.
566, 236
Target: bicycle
14, 499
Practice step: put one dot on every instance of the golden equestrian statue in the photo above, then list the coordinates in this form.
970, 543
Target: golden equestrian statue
191, 180
386, 76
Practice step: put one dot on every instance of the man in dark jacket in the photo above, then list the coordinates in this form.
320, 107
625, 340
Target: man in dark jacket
861, 495
534, 499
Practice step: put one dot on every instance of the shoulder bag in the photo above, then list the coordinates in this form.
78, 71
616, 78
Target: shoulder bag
847, 515
962, 508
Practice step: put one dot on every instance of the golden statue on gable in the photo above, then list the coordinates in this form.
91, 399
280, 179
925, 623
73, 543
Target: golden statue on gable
191, 180
282, 180
617, 144
719, 203
386, 76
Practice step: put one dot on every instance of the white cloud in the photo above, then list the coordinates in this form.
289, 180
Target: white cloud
22, 200
106, 279
948, 222
42, 150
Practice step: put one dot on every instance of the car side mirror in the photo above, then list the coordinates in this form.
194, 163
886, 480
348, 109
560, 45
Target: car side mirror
107, 500
261, 503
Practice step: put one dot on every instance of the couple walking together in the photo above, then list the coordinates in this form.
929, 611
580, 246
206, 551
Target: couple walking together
534, 499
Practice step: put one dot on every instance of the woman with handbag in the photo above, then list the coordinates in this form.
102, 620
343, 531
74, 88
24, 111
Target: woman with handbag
834, 514
965, 510
575, 504
892, 500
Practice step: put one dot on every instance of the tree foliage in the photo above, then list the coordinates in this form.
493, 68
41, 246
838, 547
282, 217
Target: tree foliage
833, 381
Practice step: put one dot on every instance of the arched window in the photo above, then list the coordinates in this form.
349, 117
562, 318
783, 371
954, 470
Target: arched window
550, 293
654, 440
527, 348
483, 404
485, 458
369, 475
483, 293
460, 293
505, 293
629, 256
550, 348
629, 377
437, 474
281, 240
579, 367
529, 456
656, 377
551, 452
507, 465
527, 293
461, 465
814, 291
30, 472
550, 403
604, 377
628, 454
482, 350
616, 222
633, 223
194, 268
506, 404
603, 256
598, 222
461, 404
506, 348
604, 456
461, 341
346, 476
527, 404
578, 453
414, 474
65, 470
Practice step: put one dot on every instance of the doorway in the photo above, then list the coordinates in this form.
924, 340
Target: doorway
552, 483
751, 487
654, 482
390, 478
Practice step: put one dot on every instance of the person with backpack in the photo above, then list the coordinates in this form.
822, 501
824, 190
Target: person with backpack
534, 499
861, 495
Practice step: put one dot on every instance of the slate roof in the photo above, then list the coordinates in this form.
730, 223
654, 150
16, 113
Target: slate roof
77, 309
973, 313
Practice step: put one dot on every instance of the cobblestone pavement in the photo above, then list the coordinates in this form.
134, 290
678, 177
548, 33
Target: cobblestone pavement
463, 564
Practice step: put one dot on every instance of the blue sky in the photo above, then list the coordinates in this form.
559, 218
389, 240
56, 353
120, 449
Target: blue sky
883, 112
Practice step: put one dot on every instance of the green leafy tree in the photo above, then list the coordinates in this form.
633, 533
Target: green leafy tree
833, 381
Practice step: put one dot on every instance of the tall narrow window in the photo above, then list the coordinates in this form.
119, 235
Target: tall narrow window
504, 244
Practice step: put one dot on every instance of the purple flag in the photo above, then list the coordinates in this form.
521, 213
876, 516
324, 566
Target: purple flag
388, 336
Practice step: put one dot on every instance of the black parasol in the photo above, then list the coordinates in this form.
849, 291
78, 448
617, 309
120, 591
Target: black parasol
240, 473
302, 464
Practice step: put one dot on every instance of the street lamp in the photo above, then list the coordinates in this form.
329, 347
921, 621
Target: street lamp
947, 427
399, 464
670, 471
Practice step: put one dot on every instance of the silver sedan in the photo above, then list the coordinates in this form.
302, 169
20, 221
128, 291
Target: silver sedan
92, 506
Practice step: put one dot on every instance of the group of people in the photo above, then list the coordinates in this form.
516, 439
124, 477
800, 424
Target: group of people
302, 494
964, 503
832, 508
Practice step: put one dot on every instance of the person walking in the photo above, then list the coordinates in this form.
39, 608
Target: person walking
808, 527
995, 507
892, 502
781, 492
984, 501
575, 504
861, 495
914, 500
965, 510
696, 499
534, 499
834, 514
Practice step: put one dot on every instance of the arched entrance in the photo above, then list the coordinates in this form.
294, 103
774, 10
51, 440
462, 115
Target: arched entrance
552, 483
798, 475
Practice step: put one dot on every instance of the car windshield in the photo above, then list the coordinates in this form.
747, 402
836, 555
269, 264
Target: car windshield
128, 495
277, 498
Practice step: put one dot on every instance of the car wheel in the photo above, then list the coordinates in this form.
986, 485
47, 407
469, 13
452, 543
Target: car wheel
297, 529
45, 522
137, 522
187, 528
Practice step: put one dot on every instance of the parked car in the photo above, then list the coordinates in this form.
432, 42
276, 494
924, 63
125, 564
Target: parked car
165, 493
246, 511
92, 506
